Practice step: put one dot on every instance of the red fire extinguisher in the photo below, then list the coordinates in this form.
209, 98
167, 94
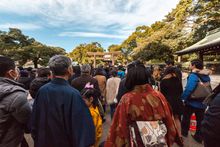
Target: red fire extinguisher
193, 122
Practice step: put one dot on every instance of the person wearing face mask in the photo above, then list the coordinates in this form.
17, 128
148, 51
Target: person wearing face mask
15, 110
60, 117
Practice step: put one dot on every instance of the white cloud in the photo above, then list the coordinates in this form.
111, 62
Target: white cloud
91, 13
23, 26
91, 35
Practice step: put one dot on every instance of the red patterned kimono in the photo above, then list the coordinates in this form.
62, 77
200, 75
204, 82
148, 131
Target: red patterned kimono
141, 104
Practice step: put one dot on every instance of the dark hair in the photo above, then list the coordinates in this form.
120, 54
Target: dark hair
29, 69
77, 70
43, 72
91, 92
20, 68
168, 62
6, 64
170, 70
120, 67
99, 71
198, 63
136, 75
32, 73
114, 73
24, 73
36, 84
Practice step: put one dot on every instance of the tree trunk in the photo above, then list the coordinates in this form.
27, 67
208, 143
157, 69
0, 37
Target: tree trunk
35, 63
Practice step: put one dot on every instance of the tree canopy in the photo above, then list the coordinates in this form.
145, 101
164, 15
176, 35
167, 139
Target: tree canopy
185, 25
22, 48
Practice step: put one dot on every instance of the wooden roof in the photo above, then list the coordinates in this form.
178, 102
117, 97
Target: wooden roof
209, 45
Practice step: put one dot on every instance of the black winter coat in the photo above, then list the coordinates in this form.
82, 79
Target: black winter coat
211, 121
172, 89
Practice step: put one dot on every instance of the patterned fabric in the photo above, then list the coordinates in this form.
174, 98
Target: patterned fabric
97, 122
152, 133
141, 104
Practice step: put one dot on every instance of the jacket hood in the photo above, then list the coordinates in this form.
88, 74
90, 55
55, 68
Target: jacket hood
8, 86
202, 72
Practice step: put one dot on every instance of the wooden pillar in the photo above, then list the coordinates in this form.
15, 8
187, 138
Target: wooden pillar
113, 61
94, 61
179, 59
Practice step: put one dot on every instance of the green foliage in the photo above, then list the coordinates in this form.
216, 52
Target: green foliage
21, 48
185, 25
79, 53
207, 18
114, 47
154, 50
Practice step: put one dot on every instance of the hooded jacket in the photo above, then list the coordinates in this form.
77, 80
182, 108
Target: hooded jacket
192, 82
211, 121
14, 112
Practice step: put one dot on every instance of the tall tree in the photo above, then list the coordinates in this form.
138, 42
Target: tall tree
154, 50
207, 17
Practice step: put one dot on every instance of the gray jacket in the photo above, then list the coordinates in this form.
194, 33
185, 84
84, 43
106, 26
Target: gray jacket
14, 112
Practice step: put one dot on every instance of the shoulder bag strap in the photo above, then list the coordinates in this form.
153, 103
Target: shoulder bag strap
199, 77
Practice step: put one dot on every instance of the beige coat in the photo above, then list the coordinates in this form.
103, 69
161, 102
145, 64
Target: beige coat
112, 89
102, 84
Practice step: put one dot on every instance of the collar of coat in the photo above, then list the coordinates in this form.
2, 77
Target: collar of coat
168, 76
10, 81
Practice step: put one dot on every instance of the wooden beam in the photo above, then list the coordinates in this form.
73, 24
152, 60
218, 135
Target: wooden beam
95, 53
103, 53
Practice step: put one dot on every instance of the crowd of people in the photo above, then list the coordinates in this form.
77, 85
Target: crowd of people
65, 105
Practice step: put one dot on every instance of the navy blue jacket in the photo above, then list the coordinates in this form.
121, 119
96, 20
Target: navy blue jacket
60, 118
211, 121
192, 82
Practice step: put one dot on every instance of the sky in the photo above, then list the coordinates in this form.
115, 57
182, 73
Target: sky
68, 23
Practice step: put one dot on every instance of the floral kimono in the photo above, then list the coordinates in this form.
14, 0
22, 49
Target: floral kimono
141, 104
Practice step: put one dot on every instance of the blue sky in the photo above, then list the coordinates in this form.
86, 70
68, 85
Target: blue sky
68, 23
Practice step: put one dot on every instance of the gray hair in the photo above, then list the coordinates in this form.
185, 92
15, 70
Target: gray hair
86, 68
59, 64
